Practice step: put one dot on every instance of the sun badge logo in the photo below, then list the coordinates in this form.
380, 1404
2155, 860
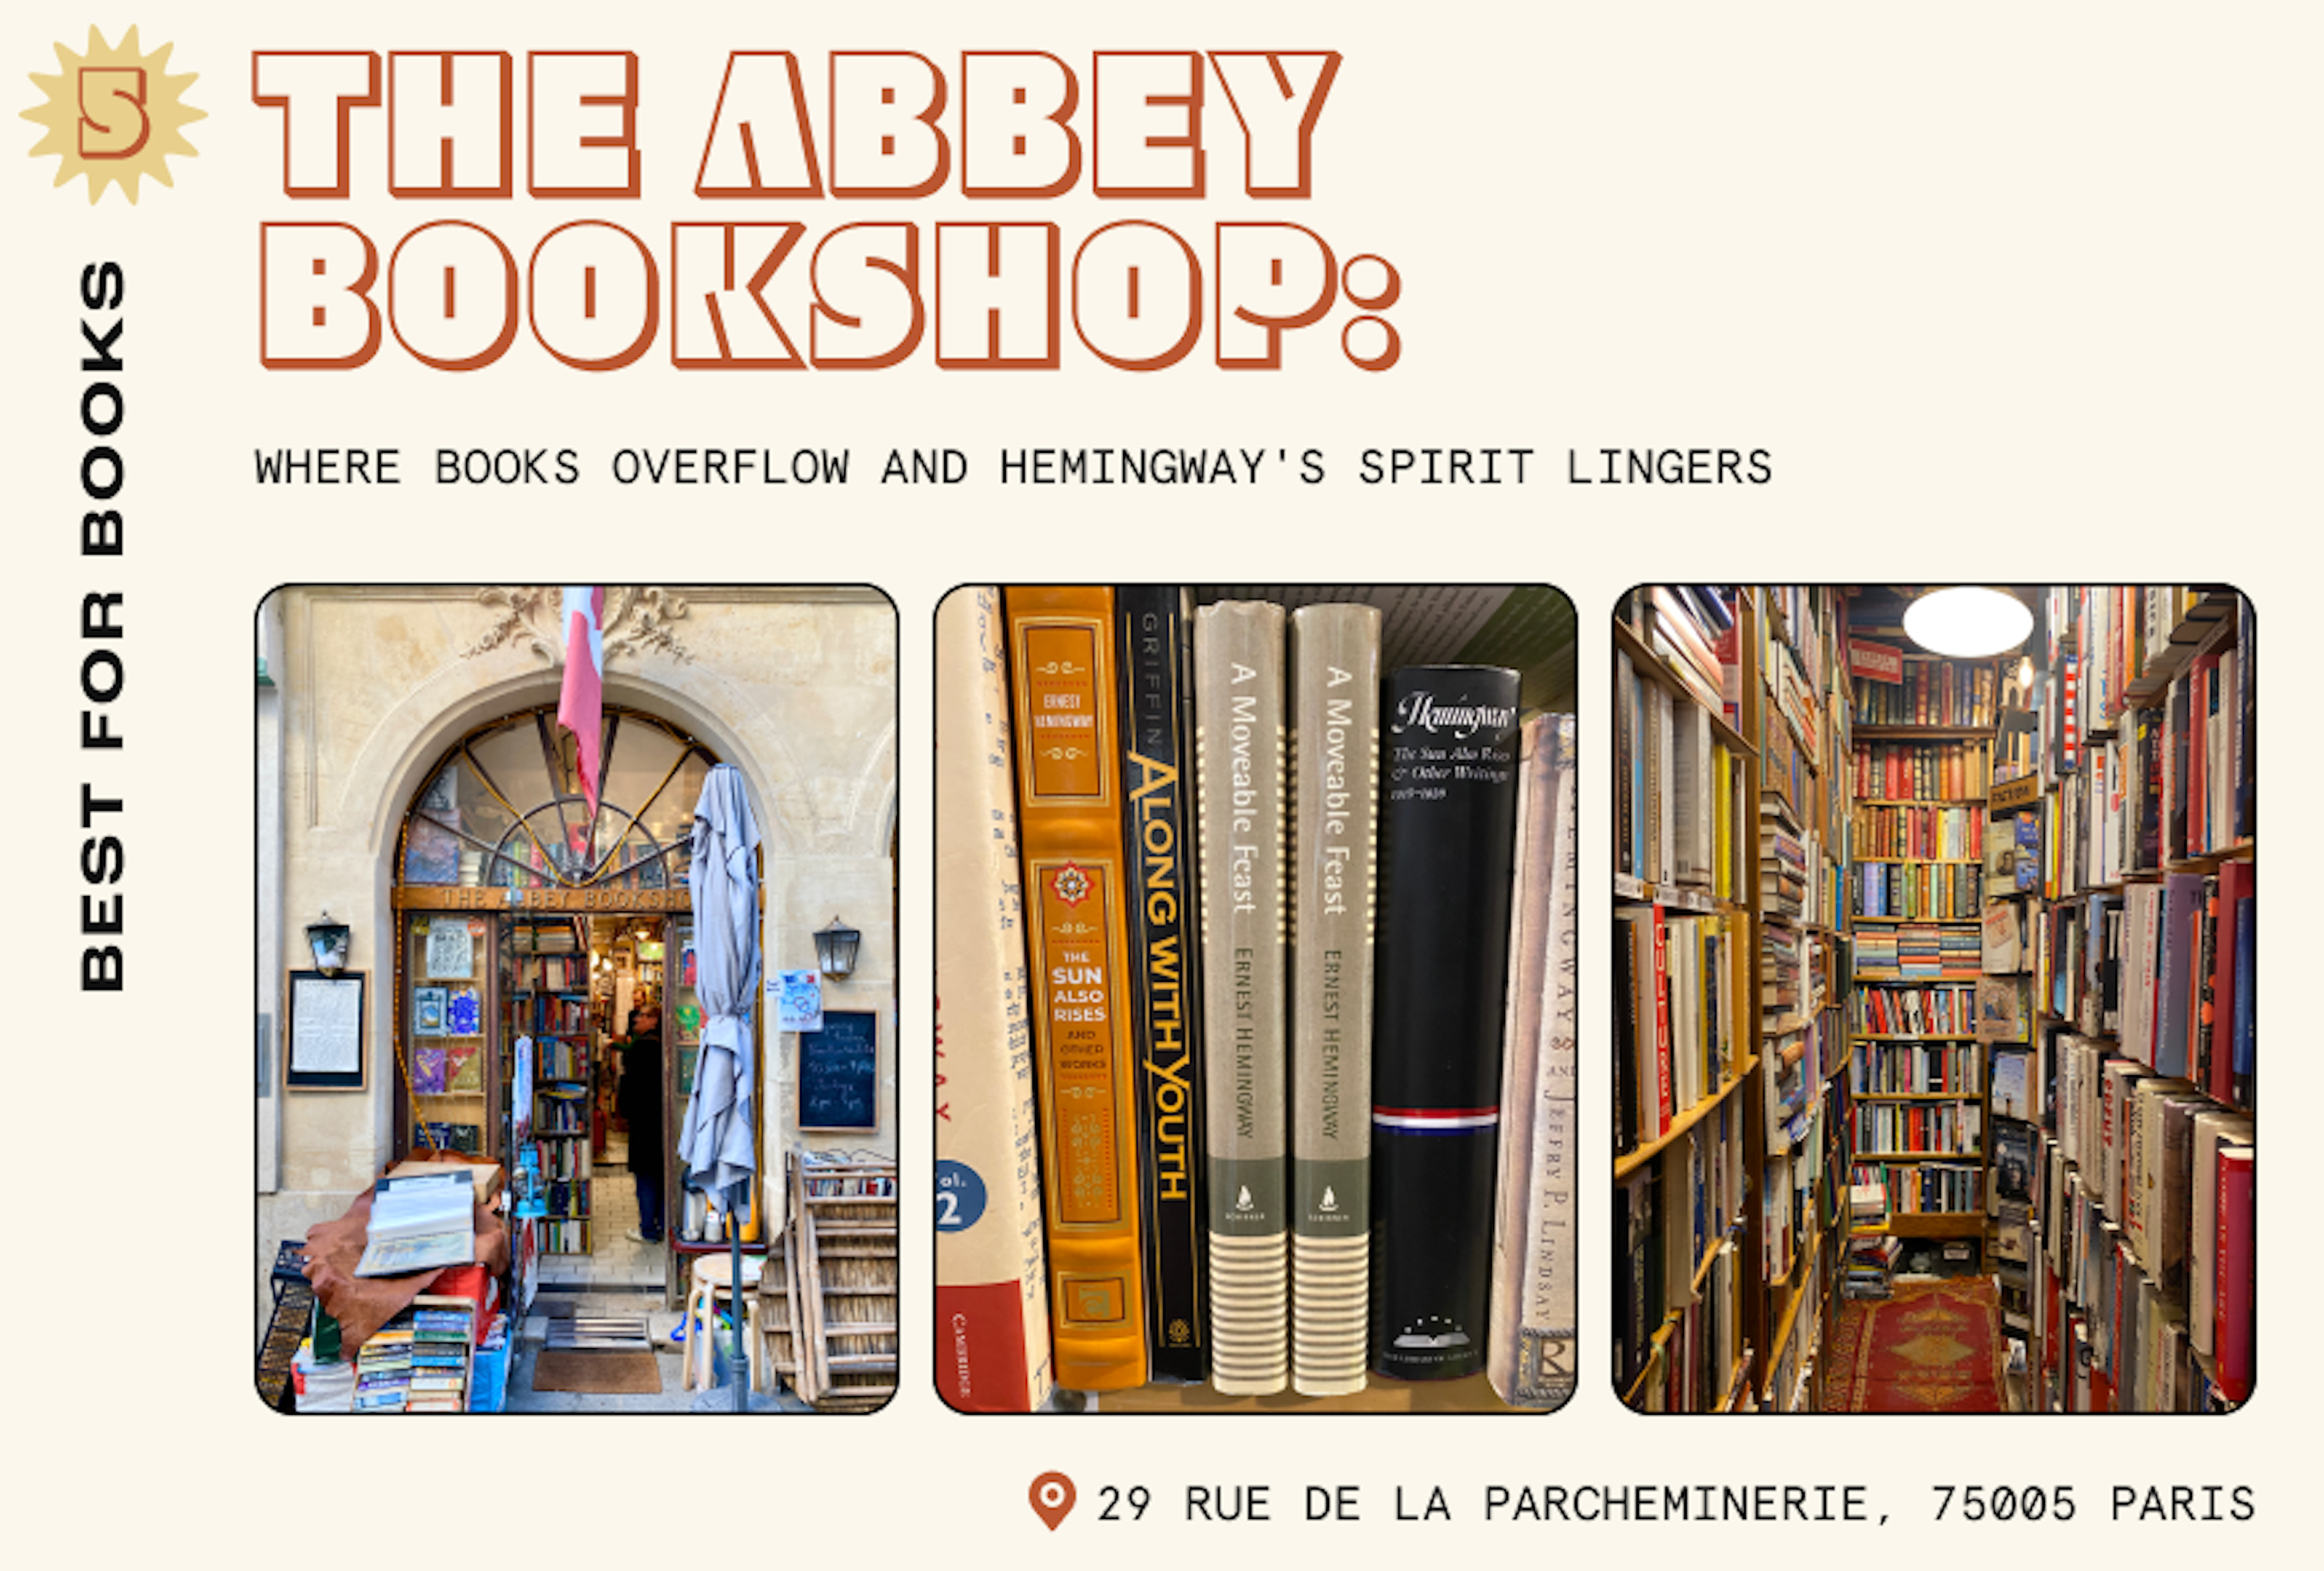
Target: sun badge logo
1072, 884
113, 116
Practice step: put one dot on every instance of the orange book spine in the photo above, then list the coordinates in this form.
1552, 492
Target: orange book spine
1069, 798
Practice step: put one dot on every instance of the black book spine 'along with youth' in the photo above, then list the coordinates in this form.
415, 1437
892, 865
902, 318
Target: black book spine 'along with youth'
1448, 822
1165, 994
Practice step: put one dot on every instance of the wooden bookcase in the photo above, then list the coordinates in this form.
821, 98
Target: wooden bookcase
1801, 646
1940, 882
547, 993
2130, 650
1770, 1269
447, 1076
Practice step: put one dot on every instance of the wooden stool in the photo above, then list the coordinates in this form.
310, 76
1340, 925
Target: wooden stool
711, 1281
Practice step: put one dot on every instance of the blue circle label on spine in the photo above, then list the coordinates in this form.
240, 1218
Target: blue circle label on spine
960, 1196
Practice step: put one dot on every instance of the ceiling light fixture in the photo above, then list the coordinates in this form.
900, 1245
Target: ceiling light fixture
1968, 621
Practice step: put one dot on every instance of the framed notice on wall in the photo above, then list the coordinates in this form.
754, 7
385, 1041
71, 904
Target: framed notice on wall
839, 1072
324, 1018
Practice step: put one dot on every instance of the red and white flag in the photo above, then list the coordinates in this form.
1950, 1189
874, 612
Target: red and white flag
581, 707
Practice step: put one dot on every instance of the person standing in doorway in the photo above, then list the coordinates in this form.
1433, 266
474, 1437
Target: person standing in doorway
639, 1098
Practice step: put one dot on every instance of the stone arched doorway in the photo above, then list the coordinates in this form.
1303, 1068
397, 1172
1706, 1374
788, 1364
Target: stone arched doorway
530, 927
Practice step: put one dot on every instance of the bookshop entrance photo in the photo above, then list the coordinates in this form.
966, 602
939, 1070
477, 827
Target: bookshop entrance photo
1932, 1038
577, 1086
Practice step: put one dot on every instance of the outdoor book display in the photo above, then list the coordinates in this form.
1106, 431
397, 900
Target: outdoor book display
1222, 1095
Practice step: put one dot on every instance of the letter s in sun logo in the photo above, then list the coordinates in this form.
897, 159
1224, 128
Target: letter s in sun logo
113, 123
114, 114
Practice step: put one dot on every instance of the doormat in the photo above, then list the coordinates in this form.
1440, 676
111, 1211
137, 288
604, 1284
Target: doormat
605, 1374
1935, 1347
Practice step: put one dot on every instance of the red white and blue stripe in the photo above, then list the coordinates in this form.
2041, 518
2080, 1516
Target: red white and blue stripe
1436, 1119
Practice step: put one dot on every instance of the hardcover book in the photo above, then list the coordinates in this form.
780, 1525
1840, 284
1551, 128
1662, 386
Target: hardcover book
1532, 1331
1448, 811
1239, 748
2231, 1337
1166, 991
1069, 819
992, 1291
1334, 685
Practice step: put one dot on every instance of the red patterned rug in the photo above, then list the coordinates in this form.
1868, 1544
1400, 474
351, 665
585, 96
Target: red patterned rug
1935, 1347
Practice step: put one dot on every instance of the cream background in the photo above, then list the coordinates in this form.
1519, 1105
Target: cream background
2041, 277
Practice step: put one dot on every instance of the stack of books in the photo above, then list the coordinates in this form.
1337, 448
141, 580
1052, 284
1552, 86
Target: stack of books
384, 1369
419, 1361
442, 1348
1872, 1253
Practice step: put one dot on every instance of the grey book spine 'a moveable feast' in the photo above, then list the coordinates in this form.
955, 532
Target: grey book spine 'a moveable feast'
1335, 788
1239, 746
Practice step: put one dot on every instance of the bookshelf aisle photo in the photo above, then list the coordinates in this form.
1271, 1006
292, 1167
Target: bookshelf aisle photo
1255, 918
1933, 1000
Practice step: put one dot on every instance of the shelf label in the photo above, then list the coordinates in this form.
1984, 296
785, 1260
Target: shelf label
1878, 662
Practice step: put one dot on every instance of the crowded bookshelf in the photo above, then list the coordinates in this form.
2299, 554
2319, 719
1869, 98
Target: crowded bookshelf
1932, 975
1255, 914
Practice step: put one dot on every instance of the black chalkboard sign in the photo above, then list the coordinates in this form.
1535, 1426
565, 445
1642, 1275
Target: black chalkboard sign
839, 1072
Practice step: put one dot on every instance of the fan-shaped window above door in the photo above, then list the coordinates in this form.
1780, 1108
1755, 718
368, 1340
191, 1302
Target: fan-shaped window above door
505, 809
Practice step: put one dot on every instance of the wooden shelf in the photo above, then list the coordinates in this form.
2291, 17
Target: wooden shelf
2212, 861
1913, 1037
1923, 921
1884, 978
1865, 732
1918, 802
1627, 887
1920, 1156
2205, 620
1660, 1337
1631, 1162
1935, 1224
1926, 861
1978, 1096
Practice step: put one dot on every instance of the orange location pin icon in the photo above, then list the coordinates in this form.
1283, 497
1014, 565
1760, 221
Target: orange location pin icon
1052, 1495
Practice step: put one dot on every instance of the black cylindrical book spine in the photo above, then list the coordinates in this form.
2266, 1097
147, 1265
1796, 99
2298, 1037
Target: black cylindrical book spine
1448, 820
